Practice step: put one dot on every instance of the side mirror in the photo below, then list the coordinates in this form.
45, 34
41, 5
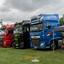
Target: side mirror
49, 27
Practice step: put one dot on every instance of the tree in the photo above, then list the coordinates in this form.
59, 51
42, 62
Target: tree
61, 21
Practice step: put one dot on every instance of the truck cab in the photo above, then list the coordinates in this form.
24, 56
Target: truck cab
42, 31
22, 35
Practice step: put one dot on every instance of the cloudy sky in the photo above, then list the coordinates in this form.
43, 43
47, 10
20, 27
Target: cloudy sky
17, 10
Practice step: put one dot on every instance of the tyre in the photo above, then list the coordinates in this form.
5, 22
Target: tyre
54, 45
1, 43
13, 45
21, 45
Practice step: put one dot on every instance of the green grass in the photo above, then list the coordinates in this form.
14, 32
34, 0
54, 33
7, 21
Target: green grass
20, 56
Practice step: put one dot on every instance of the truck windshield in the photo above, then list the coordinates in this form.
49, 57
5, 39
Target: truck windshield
36, 27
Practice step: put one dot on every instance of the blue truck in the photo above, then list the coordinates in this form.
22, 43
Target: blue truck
42, 31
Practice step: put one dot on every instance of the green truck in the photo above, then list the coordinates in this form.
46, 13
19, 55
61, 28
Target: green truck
18, 42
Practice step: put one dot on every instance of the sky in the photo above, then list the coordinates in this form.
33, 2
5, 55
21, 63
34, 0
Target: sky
12, 11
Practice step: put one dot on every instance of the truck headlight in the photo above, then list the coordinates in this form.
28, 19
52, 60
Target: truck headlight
41, 44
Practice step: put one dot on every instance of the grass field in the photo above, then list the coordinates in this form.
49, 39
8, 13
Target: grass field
19, 56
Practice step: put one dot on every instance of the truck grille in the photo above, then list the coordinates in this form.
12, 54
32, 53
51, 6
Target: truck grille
35, 41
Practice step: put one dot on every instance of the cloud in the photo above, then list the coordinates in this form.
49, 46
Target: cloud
18, 10
29, 5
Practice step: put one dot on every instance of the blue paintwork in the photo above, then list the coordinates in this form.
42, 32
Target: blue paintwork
53, 21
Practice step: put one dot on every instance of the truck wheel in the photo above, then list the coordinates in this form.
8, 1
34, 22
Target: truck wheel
54, 45
13, 44
1, 43
21, 45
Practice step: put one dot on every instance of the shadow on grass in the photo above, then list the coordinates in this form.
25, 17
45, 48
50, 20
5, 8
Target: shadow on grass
42, 49
59, 50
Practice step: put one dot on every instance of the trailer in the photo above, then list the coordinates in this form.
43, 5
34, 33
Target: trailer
60, 29
42, 31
